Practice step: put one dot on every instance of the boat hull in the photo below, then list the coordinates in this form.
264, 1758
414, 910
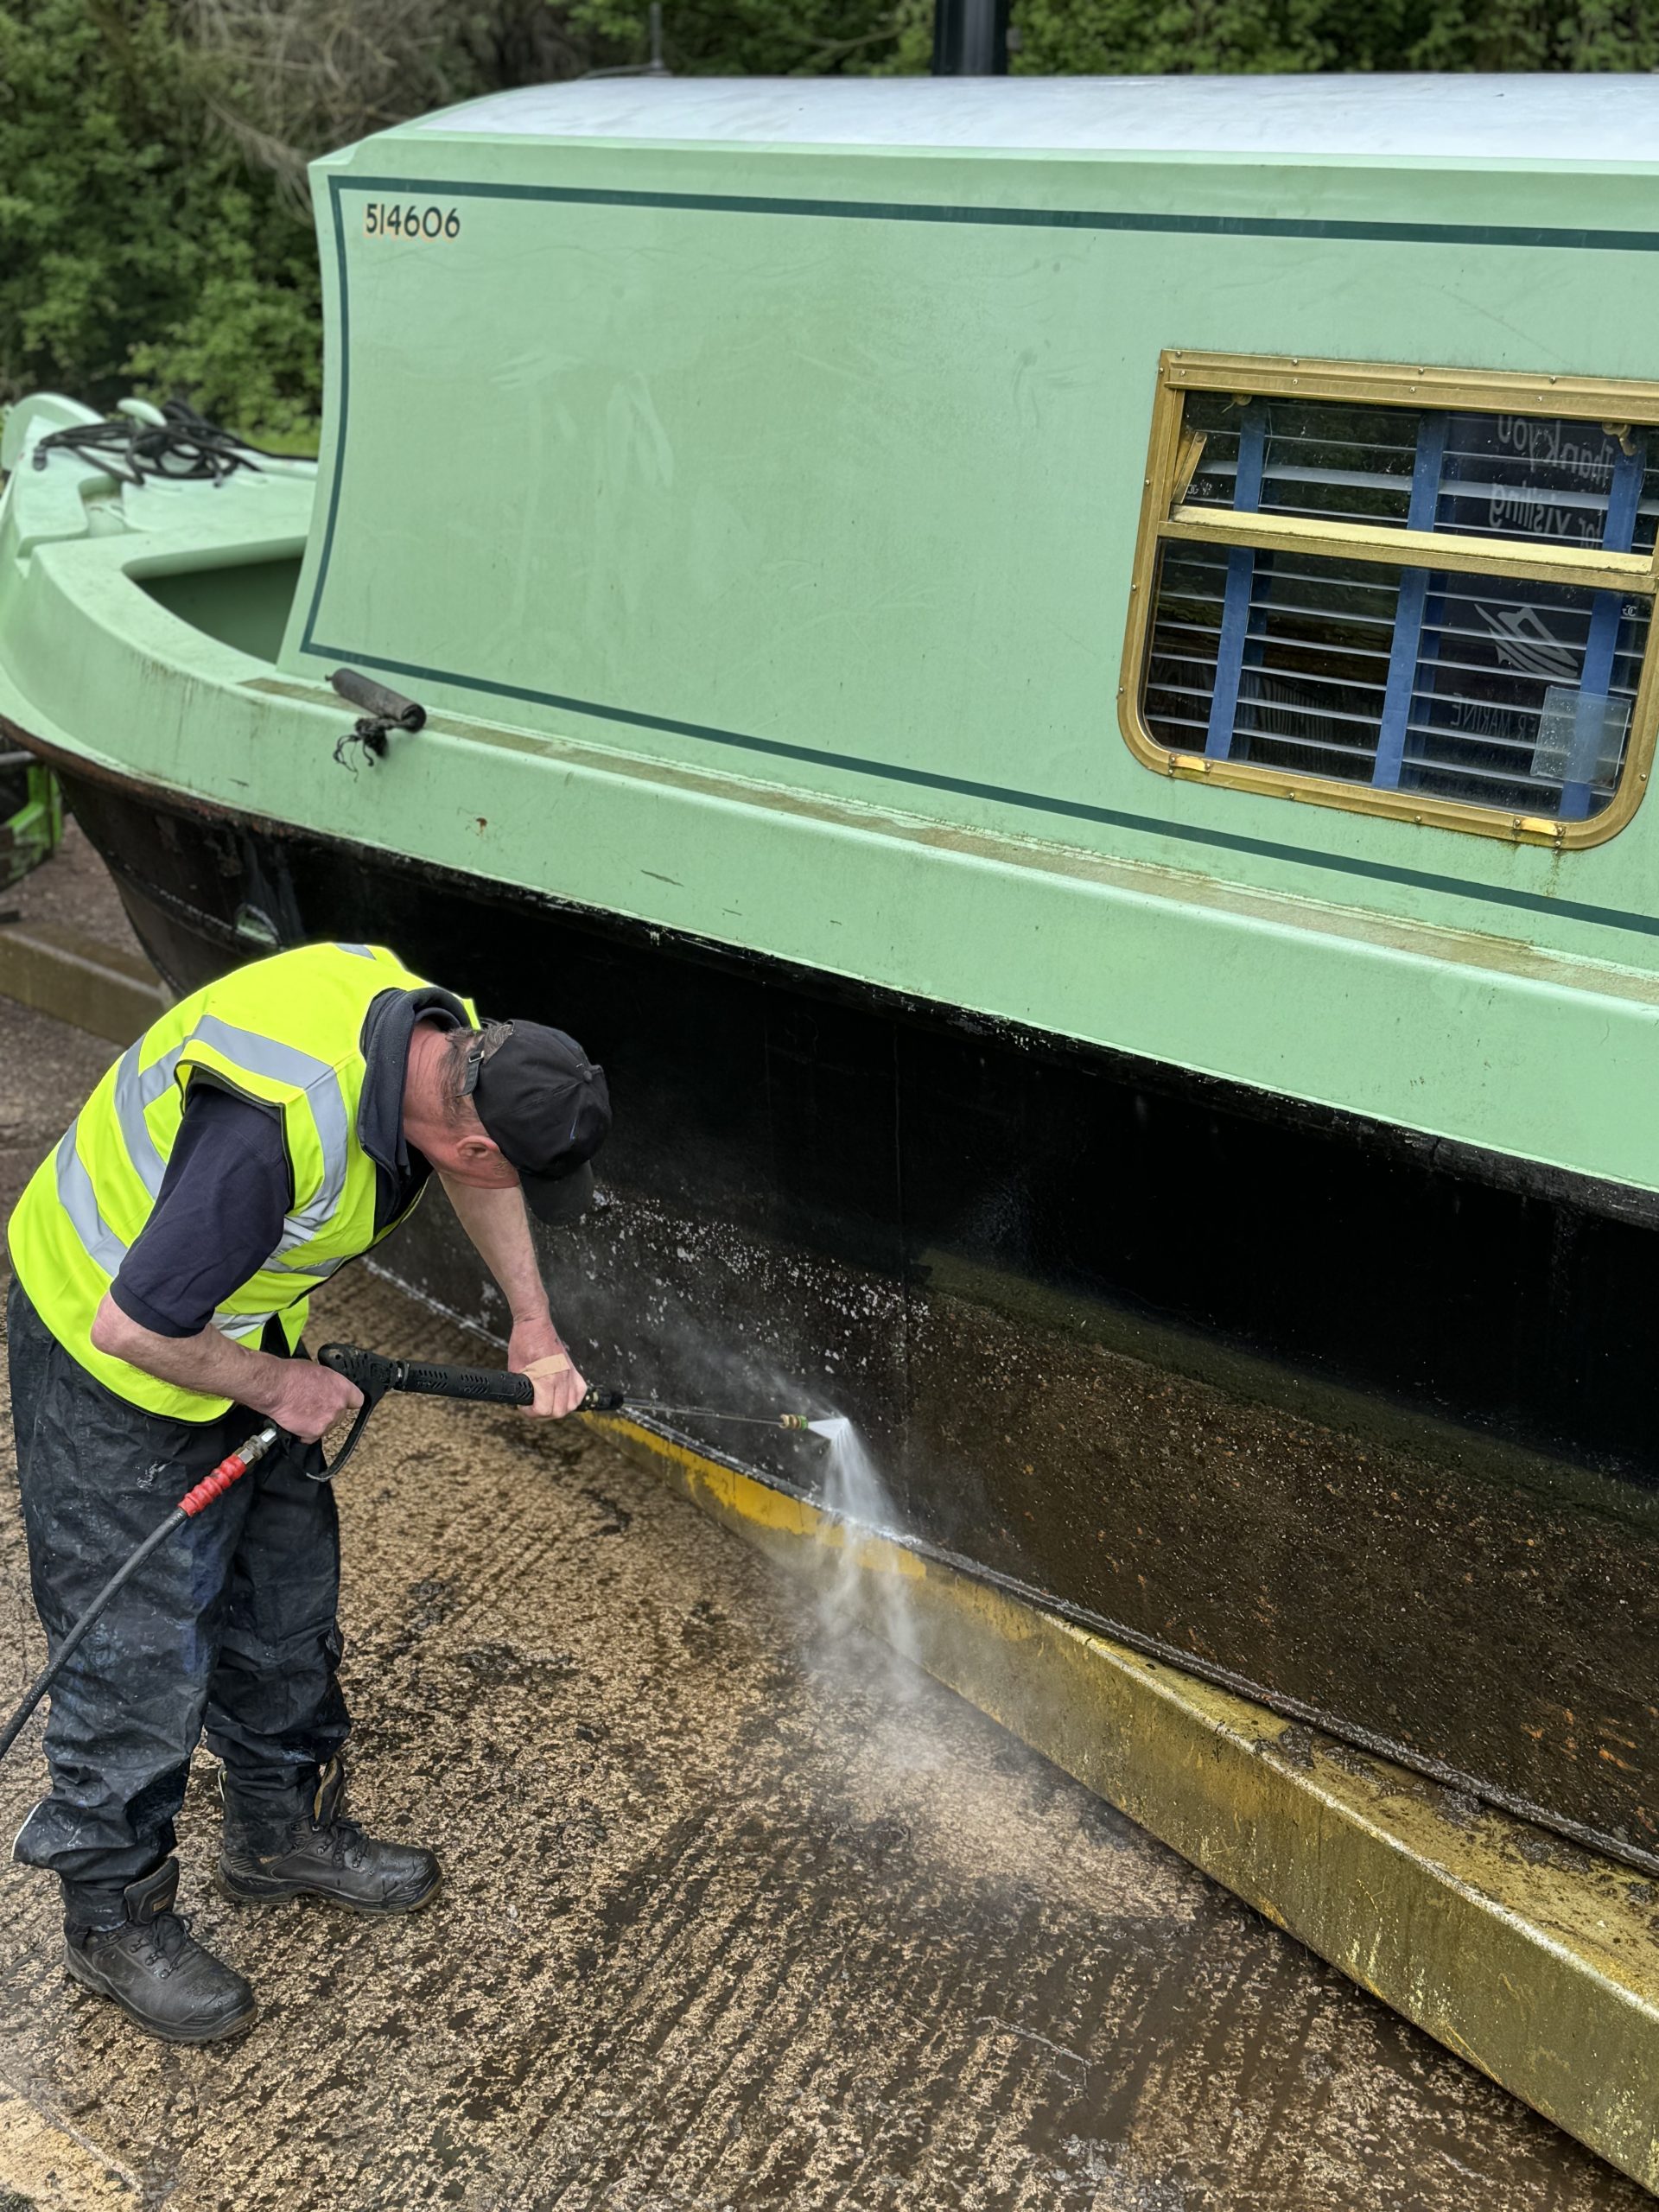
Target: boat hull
1363, 1427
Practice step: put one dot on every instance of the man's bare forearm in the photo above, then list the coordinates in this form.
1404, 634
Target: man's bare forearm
499, 1227
299, 1396
211, 1362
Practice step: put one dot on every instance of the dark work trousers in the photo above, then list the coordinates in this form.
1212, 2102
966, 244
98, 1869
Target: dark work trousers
231, 1624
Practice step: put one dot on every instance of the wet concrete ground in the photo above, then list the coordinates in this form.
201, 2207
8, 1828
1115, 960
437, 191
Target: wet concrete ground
737, 1916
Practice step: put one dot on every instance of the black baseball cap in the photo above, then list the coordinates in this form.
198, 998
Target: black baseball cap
548, 1107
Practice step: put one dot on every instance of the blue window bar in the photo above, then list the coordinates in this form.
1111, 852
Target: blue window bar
1236, 595
1494, 689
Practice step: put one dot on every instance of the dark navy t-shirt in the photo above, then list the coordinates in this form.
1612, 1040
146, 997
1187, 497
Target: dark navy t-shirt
218, 1219
227, 1188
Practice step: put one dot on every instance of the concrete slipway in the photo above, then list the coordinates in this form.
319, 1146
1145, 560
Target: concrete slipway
742, 1913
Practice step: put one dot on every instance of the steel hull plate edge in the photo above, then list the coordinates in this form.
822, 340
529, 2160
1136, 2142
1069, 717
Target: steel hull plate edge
1357, 1428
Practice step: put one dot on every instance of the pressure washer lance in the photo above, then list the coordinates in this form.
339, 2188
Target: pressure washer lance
620, 1402
375, 1376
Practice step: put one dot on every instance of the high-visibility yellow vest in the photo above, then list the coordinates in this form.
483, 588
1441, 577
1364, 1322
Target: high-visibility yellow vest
285, 1033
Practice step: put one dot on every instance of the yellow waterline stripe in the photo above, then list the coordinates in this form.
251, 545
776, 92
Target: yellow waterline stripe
1533, 1960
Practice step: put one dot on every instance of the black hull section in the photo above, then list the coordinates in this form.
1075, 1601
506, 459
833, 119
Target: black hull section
1369, 1430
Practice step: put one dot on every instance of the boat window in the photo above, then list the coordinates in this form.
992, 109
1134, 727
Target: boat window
1412, 592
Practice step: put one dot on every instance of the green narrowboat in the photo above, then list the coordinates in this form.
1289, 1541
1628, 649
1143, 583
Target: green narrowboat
1058, 677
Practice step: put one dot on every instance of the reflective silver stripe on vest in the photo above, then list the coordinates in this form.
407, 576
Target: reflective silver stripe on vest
75, 1196
267, 1056
135, 1089
242, 1324
362, 952
316, 1271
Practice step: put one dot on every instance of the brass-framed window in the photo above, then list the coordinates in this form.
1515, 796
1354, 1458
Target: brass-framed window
1416, 592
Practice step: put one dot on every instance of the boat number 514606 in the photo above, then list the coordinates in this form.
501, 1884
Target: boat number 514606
399, 219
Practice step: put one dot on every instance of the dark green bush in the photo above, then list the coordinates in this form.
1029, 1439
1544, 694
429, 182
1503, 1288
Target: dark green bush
138, 247
1155, 37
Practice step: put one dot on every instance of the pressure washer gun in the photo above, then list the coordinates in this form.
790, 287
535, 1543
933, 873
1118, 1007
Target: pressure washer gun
376, 1375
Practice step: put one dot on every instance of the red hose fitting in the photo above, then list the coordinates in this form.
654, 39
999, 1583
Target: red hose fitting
213, 1485
229, 1469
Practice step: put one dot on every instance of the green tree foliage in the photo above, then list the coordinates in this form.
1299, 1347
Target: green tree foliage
138, 246
1158, 37
155, 231
747, 38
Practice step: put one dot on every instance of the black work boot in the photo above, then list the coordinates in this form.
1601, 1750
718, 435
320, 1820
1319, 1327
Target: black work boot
323, 1855
154, 1969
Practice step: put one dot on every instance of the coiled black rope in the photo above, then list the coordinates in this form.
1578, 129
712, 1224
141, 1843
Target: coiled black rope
184, 448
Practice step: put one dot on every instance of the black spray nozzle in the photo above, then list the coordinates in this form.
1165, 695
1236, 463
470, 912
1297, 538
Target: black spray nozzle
624, 1401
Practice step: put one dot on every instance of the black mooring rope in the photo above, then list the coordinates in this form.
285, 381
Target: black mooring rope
184, 448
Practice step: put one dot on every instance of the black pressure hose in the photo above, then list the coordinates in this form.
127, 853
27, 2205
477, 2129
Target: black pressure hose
229, 1469
183, 448
374, 1374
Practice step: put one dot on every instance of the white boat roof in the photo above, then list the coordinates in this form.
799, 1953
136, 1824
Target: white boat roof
1599, 120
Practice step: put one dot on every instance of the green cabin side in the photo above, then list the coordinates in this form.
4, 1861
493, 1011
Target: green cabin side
815, 473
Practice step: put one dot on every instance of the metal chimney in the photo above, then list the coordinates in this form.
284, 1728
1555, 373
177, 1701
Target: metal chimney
970, 38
